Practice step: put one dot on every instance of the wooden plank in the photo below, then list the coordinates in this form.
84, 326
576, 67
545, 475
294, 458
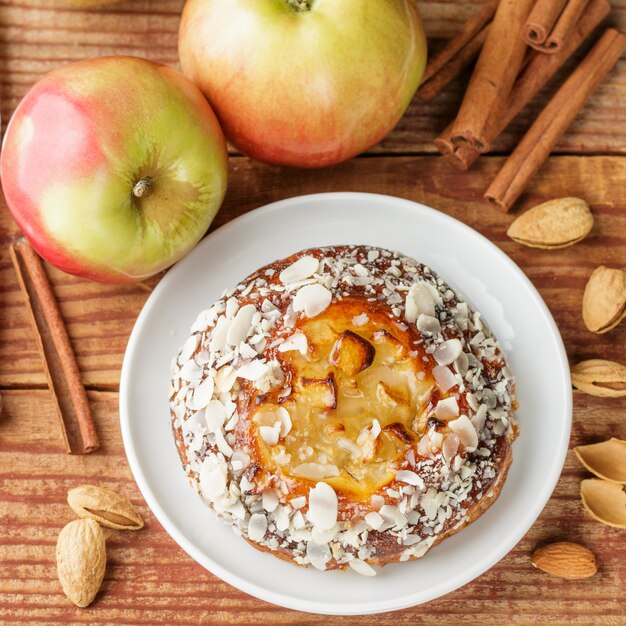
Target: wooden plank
150, 580
100, 317
44, 35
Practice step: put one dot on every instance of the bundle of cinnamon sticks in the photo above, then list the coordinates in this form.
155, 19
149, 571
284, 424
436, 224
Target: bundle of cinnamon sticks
521, 44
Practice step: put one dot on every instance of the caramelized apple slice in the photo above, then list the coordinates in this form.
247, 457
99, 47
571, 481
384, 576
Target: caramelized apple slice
382, 336
390, 397
319, 392
351, 353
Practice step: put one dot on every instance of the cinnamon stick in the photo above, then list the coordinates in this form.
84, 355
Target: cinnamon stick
571, 14
497, 67
70, 399
551, 22
432, 88
541, 21
537, 73
543, 135
467, 34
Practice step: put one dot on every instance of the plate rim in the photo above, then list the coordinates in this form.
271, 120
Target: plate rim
318, 607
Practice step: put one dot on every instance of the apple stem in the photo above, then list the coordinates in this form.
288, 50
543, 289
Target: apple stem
142, 187
299, 5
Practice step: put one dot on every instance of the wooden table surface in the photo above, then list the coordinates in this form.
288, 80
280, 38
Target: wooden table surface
149, 579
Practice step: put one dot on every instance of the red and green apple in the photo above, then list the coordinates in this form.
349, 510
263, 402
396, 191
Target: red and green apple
304, 82
114, 167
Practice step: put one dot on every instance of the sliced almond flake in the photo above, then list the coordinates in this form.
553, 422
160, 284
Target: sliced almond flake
257, 527
499, 428
312, 299
254, 370
202, 394
409, 477
377, 501
241, 458
478, 420
222, 444
315, 471
430, 502
218, 335
270, 500
464, 428
237, 510
189, 347
450, 447
419, 300
318, 554
447, 408
215, 415
392, 515
267, 306
281, 518
436, 439
232, 306
298, 503
212, 478
374, 520
444, 377
299, 270
323, 505
240, 326
361, 567
297, 341
270, 434
428, 324
324, 536
448, 351
375, 429
190, 371
246, 351
196, 422
298, 520
411, 540
349, 446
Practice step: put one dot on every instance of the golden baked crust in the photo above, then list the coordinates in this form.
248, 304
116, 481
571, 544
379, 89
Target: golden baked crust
342, 407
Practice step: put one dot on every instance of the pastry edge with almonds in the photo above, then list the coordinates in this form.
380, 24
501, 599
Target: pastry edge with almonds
384, 545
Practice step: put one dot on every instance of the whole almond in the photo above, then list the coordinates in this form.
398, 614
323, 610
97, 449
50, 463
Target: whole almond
81, 560
105, 506
565, 559
554, 224
606, 379
604, 300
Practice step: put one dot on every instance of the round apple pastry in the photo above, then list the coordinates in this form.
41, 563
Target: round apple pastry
343, 407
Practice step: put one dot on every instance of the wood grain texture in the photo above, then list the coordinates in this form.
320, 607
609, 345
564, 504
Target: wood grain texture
37, 36
149, 579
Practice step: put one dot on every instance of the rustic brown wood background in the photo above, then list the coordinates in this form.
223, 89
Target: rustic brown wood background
149, 579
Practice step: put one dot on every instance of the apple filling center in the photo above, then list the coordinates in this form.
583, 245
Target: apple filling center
357, 394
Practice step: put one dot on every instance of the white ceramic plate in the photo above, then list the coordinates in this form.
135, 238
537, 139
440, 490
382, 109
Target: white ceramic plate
481, 273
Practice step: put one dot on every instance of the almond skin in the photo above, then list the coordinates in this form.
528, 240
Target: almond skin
597, 377
604, 501
81, 560
604, 299
105, 507
558, 223
565, 559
